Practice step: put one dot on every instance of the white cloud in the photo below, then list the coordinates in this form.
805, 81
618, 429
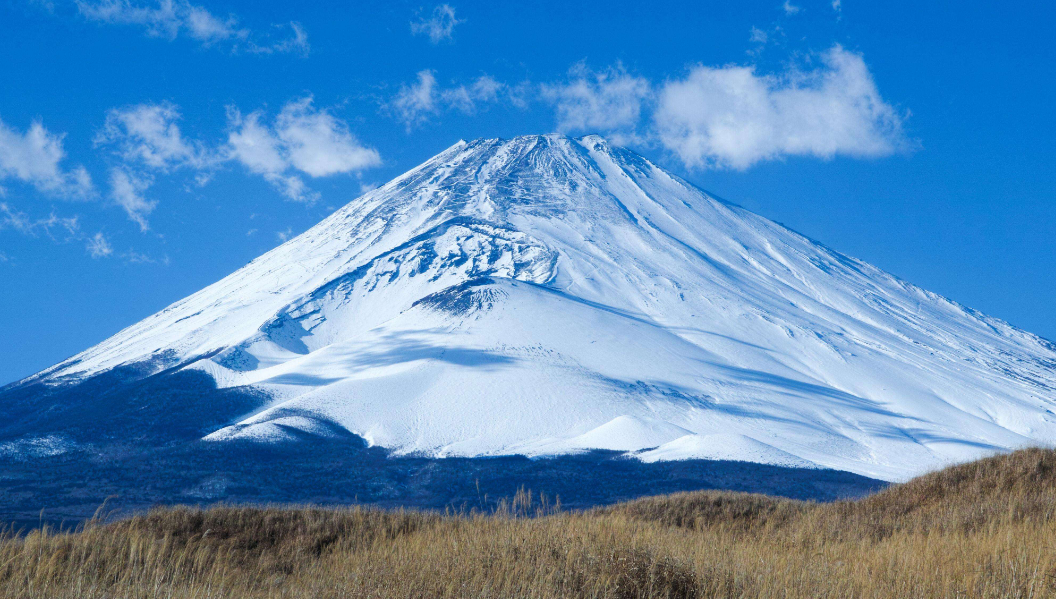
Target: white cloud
148, 133
169, 19
414, 103
253, 144
303, 139
758, 36
606, 101
439, 26
733, 117
98, 246
837, 5
319, 144
284, 235
790, 9
126, 189
34, 157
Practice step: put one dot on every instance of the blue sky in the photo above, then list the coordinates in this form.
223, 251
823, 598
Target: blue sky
147, 149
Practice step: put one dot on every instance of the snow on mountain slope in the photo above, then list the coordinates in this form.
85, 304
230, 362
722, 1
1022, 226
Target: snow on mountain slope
545, 295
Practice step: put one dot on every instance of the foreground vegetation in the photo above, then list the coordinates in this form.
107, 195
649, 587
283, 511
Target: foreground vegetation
985, 529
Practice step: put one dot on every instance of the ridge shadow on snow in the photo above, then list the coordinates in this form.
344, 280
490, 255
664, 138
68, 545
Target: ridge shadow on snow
124, 405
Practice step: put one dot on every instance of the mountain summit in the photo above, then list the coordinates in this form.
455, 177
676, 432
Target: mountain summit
547, 295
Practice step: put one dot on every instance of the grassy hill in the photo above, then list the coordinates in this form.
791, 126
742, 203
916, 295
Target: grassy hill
983, 529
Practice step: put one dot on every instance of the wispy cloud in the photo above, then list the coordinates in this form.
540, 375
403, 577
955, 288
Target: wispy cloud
295, 43
126, 190
64, 230
98, 246
301, 140
414, 104
466, 97
134, 257
165, 19
726, 117
147, 138
149, 134
603, 102
169, 19
439, 26
35, 158
10, 218
734, 117
790, 9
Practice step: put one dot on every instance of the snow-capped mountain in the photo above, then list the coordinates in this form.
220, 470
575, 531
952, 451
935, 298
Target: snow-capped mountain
546, 295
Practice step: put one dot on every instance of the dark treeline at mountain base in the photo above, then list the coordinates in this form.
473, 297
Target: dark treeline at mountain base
983, 529
144, 454
70, 487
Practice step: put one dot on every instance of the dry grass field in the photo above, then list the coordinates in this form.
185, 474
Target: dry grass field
984, 529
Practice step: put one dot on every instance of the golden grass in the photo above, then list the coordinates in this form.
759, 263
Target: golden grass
985, 529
